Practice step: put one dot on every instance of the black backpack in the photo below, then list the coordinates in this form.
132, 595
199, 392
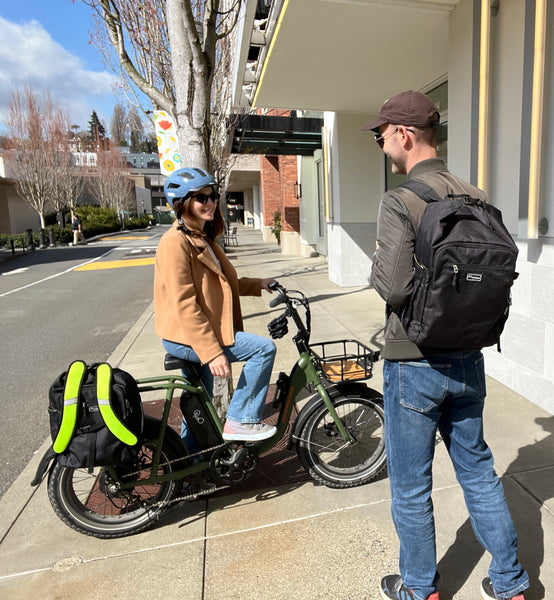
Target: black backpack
96, 416
464, 267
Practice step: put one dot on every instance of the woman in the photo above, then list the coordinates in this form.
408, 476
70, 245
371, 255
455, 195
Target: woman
197, 305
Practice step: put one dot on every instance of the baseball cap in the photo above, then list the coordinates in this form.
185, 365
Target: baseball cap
406, 108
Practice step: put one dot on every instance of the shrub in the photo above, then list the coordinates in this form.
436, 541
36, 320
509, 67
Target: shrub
138, 222
276, 227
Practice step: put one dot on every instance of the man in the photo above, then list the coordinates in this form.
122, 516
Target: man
426, 389
77, 231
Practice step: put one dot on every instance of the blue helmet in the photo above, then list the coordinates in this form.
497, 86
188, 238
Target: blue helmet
183, 181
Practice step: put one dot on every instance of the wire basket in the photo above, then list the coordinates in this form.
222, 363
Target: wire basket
344, 360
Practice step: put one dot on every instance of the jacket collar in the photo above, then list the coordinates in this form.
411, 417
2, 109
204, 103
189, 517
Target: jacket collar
201, 244
425, 166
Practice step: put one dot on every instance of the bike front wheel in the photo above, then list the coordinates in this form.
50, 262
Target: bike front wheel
93, 504
324, 453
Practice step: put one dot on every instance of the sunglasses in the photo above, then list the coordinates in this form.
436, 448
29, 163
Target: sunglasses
380, 139
203, 198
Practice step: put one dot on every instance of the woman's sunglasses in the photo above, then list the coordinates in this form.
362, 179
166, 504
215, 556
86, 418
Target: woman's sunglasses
203, 198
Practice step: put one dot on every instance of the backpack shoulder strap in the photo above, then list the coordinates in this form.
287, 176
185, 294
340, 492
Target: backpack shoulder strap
104, 379
73, 384
424, 191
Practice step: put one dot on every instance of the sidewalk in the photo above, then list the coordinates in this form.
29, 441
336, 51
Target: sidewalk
289, 539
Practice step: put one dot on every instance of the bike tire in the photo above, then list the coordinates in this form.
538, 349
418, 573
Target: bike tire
83, 501
325, 455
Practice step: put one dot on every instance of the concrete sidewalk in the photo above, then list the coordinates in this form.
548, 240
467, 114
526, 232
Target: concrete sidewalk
290, 539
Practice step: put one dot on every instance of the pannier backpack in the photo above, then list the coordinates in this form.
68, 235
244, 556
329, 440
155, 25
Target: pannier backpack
464, 267
96, 416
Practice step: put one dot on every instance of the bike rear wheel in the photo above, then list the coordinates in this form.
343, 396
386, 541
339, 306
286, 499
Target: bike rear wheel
327, 457
92, 504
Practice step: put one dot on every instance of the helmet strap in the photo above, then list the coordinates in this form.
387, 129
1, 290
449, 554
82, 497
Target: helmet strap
182, 227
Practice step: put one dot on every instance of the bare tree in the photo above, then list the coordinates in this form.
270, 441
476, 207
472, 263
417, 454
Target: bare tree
67, 180
136, 130
118, 125
34, 127
169, 50
109, 184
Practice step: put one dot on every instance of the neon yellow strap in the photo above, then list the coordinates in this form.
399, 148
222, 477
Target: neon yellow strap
73, 382
103, 393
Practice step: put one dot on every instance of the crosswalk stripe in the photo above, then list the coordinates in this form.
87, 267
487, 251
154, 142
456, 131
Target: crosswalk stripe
117, 264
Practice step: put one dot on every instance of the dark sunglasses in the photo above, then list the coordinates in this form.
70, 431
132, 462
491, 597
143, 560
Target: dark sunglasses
203, 198
380, 139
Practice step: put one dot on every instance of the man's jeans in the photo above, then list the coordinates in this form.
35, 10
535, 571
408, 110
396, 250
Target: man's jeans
248, 402
445, 392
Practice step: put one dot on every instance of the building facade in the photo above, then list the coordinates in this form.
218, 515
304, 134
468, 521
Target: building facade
489, 66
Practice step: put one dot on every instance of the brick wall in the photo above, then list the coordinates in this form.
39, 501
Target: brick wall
278, 174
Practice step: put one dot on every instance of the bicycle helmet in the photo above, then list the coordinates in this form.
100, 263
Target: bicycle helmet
186, 180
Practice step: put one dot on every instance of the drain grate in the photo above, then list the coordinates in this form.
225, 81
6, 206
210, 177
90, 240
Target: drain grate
280, 466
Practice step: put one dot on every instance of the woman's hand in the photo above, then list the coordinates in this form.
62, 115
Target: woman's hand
219, 367
266, 282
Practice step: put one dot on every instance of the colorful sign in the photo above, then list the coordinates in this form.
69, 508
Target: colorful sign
168, 144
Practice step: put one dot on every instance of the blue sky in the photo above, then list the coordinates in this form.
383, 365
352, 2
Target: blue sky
45, 44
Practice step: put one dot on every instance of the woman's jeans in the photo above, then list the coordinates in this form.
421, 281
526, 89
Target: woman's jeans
445, 392
248, 402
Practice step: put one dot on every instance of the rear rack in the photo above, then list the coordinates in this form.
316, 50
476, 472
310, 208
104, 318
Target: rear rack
344, 360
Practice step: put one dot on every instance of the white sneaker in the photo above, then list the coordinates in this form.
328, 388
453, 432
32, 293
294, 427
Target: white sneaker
247, 432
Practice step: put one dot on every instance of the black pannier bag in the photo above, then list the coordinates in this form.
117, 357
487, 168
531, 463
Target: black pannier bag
96, 416
464, 268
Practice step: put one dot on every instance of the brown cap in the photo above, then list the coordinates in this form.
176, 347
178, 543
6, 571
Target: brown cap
406, 108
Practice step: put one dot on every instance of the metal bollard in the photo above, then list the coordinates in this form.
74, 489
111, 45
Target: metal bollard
30, 244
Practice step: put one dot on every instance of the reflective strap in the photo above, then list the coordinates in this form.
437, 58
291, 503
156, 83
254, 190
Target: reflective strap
73, 383
103, 393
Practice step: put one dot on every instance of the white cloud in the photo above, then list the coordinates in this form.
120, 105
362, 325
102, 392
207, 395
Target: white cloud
29, 56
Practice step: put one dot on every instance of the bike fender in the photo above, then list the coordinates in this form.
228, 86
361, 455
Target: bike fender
46, 462
338, 389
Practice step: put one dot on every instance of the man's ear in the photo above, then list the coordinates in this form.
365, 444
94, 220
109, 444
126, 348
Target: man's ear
404, 137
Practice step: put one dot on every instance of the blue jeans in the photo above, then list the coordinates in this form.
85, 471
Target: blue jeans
445, 392
248, 402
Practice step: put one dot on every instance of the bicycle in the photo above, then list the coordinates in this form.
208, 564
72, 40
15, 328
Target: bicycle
338, 436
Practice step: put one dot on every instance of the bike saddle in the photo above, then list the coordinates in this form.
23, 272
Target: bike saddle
172, 363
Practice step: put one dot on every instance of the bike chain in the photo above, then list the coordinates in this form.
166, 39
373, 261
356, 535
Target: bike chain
194, 495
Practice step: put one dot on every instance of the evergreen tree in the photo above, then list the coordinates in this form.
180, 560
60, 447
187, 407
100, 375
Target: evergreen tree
97, 131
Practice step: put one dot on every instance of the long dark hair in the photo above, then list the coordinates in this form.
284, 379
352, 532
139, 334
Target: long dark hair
212, 229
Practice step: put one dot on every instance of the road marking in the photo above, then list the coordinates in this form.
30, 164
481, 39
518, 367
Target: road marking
123, 237
117, 264
16, 271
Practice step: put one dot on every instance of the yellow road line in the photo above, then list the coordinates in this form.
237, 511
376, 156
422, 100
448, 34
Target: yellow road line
124, 237
117, 264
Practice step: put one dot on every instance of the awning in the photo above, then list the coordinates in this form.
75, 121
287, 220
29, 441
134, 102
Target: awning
261, 134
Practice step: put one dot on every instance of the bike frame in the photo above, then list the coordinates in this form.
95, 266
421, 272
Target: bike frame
305, 372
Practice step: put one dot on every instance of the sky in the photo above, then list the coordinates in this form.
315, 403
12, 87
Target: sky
45, 44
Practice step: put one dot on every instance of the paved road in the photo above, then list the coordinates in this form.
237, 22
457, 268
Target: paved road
57, 305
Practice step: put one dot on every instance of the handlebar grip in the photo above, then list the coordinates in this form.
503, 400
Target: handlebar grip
279, 300
273, 285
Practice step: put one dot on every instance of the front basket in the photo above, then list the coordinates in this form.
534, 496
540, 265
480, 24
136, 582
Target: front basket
344, 360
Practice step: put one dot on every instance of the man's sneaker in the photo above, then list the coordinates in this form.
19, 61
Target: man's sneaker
488, 593
393, 588
247, 432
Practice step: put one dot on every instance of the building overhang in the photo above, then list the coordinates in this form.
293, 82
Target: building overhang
272, 135
339, 55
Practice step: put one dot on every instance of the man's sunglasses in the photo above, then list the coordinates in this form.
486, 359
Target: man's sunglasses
380, 139
203, 198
